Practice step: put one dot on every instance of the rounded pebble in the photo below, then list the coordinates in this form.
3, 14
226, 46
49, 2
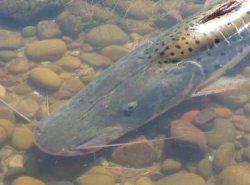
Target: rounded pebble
8, 126
50, 49
45, 77
26, 180
22, 138
69, 63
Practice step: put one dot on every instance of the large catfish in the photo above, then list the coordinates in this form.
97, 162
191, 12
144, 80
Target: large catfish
149, 81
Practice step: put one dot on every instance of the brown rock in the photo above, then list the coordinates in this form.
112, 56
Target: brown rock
139, 154
182, 178
189, 142
95, 60
203, 118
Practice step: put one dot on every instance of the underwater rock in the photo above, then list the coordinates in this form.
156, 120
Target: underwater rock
241, 123
48, 29
234, 175
233, 99
171, 166
22, 138
10, 39
223, 112
215, 137
139, 154
26, 11
7, 55
114, 52
70, 24
54, 67
138, 9
6, 113
28, 107
8, 126
86, 73
18, 66
26, 180
69, 63
181, 178
7, 80
22, 88
50, 49
135, 26
169, 19
3, 135
144, 180
15, 164
188, 142
189, 116
97, 175
224, 156
95, 59
69, 88
203, 118
28, 31
105, 35
59, 182
205, 168
45, 78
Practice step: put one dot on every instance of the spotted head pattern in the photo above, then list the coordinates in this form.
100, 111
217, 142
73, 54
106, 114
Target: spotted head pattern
200, 32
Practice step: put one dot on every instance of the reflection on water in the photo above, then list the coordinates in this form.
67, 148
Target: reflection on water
44, 62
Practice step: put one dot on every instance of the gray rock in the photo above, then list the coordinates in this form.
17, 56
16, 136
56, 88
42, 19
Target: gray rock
48, 29
28, 10
29, 31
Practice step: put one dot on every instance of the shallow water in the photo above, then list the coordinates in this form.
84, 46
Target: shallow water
201, 136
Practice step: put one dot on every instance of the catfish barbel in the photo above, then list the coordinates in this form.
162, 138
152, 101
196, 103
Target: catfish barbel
149, 81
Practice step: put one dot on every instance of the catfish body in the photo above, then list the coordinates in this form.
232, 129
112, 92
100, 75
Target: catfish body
149, 81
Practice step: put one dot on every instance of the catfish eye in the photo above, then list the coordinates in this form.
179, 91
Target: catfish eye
129, 108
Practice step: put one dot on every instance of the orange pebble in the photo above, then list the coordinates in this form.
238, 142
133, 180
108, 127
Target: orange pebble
223, 112
188, 116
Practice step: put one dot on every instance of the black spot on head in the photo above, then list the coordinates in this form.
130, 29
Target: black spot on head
162, 43
167, 48
178, 46
156, 49
197, 42
187, 43
188, 34
172, 54
165, 62
186, 28
149, 57
190, 49
173, 39
174, 61
183, 38
216, 66
182, 52
208, 54
162, 53
217, 40
159, 62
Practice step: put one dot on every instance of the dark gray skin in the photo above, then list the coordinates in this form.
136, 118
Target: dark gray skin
130, 93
